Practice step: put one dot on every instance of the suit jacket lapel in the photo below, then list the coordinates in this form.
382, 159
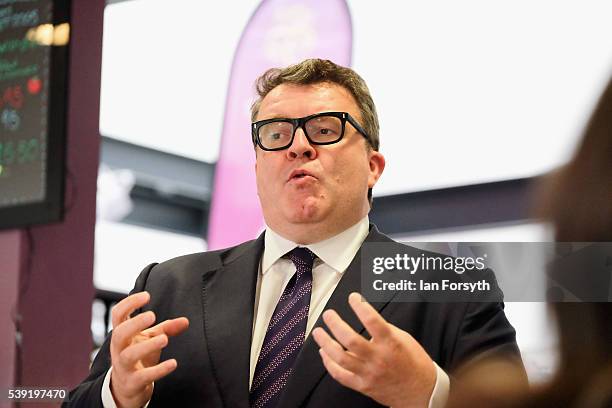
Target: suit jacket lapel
309, 369
228, 295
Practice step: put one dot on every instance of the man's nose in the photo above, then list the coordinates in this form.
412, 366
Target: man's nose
301, 146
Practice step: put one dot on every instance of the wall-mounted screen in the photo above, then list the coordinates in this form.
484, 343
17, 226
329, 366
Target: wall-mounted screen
34, 38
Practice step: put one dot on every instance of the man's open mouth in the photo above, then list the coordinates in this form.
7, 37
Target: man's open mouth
299, 174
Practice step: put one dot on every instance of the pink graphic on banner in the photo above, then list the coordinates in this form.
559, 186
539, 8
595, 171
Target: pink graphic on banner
280, 32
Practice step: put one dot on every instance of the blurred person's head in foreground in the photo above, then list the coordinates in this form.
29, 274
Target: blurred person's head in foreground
577, 201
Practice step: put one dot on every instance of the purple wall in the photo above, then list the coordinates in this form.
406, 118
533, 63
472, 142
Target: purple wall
11, 246
56, 307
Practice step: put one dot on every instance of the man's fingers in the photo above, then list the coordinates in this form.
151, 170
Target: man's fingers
123, 334
125, 307
138, 351
334, 350
345, 334
170, 327
374, 323
154, 373
343, 376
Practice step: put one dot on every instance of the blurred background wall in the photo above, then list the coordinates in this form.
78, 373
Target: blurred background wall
46, 285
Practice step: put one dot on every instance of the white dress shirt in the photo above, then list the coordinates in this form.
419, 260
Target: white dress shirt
333, 258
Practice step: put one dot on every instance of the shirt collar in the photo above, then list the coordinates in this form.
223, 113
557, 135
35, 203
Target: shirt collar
337, 251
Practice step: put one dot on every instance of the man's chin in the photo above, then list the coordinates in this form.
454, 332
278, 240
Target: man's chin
305, 211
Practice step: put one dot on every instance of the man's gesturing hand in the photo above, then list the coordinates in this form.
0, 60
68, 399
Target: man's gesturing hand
391, 367
135, 349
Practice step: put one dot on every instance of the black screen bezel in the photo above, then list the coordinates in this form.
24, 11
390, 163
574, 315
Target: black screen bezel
51, 208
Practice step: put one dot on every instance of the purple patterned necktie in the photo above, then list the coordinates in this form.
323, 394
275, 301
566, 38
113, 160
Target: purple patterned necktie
285, 334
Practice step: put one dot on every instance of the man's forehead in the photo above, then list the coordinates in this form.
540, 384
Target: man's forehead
292, 100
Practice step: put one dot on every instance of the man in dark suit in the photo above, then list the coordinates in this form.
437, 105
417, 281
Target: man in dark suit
252, 319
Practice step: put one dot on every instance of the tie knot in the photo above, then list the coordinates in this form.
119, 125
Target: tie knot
302, 257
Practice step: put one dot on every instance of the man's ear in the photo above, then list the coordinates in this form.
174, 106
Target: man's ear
377, 166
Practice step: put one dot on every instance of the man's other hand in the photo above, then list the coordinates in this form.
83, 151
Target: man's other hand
391, 368
135, 350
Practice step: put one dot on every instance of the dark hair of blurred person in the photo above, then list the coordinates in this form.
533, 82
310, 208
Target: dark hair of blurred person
577, 201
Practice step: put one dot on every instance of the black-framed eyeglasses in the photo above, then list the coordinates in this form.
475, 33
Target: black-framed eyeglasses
320, 129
